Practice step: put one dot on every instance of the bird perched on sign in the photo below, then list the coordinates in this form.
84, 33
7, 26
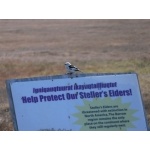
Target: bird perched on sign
70, 68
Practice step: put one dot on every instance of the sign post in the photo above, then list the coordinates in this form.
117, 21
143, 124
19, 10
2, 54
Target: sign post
84, 102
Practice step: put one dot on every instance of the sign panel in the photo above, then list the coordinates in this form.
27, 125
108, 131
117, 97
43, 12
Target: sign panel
84, 102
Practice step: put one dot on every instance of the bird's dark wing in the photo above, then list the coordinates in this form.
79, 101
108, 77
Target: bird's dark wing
74, 67
71, 66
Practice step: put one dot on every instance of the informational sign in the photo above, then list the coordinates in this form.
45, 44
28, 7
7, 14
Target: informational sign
72, 103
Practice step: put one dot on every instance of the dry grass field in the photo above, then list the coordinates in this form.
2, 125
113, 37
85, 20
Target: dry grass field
31, 48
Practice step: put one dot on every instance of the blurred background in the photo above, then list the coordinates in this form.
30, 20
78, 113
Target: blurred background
30, 48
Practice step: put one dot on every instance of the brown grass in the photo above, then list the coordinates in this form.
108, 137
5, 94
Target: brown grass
40, 47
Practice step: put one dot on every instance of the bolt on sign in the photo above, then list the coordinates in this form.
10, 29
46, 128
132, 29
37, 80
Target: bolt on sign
71, 103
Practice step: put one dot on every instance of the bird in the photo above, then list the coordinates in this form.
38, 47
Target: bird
70, 68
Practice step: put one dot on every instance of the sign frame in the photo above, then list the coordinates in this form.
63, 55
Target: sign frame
9, 82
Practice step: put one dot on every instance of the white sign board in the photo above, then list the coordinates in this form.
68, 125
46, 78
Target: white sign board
87, 102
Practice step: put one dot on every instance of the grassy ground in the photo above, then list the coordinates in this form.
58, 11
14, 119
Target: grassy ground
40, 47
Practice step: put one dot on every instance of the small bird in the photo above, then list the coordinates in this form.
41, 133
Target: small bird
70, 68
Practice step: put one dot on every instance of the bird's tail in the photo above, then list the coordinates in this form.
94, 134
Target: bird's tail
80, 71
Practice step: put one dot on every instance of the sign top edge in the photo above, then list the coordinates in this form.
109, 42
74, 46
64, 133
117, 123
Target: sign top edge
63, 76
